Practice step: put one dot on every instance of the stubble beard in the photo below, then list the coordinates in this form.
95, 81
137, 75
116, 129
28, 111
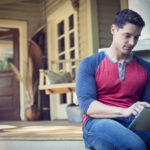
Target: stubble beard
126, 52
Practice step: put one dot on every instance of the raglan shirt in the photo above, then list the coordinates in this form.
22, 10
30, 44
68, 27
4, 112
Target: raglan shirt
112, 83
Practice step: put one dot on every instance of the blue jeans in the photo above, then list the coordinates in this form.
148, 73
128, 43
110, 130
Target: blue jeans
113, 134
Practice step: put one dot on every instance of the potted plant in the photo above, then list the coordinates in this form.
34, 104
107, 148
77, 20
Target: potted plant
74, 112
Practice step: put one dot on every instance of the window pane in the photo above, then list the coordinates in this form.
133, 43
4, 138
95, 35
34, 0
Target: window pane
63, 99
6, 52
62, 57
73, 63
72, 56
61, 45
60, 28
73, 73
71, 22
71, 39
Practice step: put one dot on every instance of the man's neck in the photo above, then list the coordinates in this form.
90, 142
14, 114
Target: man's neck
116, 55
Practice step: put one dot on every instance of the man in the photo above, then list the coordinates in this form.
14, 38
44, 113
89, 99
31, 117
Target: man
113, 87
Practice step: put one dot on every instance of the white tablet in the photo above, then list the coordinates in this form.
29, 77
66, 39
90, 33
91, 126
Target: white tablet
141, 121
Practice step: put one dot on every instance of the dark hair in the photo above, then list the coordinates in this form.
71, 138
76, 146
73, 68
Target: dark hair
128, 16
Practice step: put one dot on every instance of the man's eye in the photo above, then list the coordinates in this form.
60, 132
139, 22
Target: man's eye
136, 38
127, 36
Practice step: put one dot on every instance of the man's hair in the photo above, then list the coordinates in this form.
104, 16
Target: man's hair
128, 16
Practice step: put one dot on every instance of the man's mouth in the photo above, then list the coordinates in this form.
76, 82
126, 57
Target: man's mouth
128, 48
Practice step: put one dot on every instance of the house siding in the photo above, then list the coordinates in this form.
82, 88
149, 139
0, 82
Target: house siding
106, 12
30, 12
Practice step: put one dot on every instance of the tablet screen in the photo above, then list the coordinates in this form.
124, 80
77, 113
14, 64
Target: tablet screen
142, 121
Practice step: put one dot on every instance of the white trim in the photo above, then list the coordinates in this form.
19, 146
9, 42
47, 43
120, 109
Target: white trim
22, 26
53, 19
92, 23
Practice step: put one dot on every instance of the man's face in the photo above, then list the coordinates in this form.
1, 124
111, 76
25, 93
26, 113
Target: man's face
124, 39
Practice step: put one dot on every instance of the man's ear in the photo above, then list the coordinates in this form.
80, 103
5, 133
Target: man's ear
113, 29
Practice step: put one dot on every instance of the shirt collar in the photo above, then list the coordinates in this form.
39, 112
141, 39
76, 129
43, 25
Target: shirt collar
126, 61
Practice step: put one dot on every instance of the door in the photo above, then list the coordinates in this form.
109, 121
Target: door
64, 46
9, 86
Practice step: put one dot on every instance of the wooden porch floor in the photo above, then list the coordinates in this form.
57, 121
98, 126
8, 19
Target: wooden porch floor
41, 130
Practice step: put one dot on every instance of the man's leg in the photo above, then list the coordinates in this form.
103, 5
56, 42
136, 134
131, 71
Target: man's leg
108, 134
145, 135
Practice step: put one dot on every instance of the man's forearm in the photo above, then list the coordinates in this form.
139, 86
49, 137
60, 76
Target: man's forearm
100, 110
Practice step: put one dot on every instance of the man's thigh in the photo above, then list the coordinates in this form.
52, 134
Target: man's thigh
108, 134
145, 135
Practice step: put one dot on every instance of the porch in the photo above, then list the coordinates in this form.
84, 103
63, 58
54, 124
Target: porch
46, 135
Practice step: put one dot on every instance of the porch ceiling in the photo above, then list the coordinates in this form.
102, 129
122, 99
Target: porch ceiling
5, 2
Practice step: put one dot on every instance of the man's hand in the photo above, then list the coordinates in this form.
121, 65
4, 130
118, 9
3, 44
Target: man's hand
100, 110
135, 109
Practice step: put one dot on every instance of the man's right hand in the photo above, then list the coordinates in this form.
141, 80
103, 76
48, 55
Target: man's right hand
135, 109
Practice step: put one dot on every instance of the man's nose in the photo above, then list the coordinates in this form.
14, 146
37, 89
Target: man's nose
132, 41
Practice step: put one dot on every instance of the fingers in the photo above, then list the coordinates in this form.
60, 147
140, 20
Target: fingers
145, 104
135, 109
135, 112
142, 104
138, 107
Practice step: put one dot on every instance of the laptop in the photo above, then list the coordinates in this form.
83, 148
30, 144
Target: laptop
141, 121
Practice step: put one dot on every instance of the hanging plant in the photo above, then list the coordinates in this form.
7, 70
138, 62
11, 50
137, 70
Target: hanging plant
75, 4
